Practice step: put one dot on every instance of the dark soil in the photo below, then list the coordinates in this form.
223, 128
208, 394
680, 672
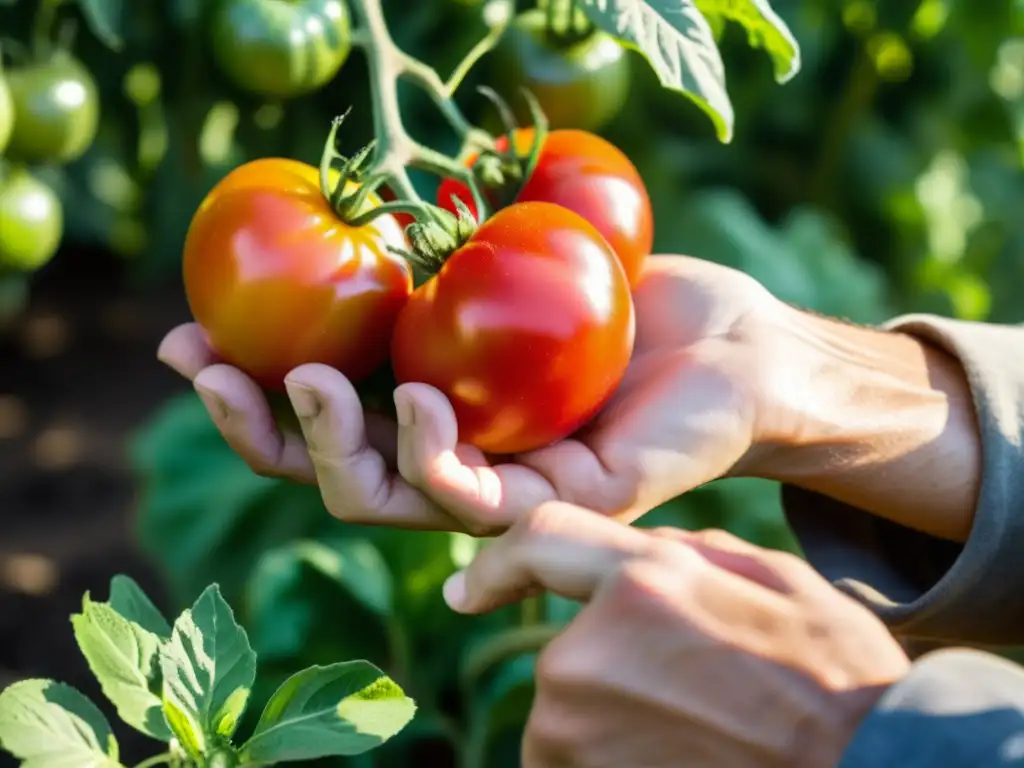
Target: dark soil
78, 375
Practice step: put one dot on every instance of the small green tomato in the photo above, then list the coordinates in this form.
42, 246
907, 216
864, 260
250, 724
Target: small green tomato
281, 48
31, 222
56, 110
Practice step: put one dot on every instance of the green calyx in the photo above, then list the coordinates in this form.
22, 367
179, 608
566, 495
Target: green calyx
351, 206
436, 234
503, 174
566, 23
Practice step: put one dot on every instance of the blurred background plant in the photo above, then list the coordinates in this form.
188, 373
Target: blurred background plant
885, 177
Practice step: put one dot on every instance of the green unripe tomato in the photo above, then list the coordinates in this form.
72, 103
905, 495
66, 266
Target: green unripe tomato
56, 110
583, 85
6, 113
281, 48
31, 222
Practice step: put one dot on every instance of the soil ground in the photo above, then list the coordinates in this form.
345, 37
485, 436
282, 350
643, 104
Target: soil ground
78, 375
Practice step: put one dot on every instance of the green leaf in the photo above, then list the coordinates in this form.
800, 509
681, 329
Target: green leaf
208, 669
679, 44
205, 516
294, 588
128, 599
805, 261
501, 705
105, 18
764, 30
51, 725
124, 657
354, 565
341, 709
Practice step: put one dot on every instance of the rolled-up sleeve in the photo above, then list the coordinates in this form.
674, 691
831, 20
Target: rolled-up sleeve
955, 709
924, 587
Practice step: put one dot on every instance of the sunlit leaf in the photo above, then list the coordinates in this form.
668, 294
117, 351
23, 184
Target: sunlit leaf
51, 725
679, 44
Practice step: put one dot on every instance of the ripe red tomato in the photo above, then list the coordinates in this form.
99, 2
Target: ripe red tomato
277, 280
588, 175
527, 328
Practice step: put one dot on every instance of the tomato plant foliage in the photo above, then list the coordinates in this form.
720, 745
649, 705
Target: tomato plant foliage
188, 684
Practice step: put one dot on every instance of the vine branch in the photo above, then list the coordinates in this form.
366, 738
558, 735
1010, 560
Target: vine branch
396, 150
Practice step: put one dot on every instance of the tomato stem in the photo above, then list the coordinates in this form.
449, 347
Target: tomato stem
397, 151
504, 174
436, 235
566, 23
42, 27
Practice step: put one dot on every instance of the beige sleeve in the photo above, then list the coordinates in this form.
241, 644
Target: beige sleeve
925, 587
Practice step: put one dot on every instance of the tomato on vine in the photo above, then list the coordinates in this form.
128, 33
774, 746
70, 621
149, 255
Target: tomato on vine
281, 48
527, 328
588, 175
276, 279
56, 109
580, 80
31, 222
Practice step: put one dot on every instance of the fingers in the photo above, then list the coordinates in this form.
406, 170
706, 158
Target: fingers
240, 410
236, 405
558, 547
186, 351
353, 476
457, 477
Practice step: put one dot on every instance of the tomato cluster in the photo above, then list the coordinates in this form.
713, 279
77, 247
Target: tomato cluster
527, 325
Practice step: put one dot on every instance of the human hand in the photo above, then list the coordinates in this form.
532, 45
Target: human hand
692, 648
684, 414
725, 380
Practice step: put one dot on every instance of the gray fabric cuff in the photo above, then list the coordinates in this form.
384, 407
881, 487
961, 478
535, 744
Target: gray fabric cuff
954, 709
922, 586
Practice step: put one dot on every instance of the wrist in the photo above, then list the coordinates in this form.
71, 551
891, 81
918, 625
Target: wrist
878, 420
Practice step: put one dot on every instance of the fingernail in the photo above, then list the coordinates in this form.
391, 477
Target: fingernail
161, 352
163, 356
214, 404
454, 591
404, 410
304, 400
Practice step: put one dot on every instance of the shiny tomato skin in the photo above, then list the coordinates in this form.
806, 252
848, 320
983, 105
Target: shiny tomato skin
527, 329
277, 280
590, 176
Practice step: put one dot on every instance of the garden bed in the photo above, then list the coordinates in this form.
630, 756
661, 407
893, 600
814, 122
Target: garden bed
77, 376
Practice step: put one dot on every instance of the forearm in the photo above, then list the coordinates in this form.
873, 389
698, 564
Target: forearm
881, 421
